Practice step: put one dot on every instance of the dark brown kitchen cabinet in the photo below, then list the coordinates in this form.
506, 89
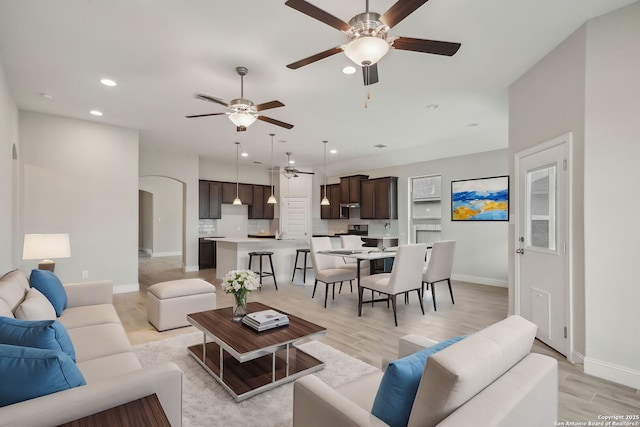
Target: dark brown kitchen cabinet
245, 192
350, 188
333, 210
379, 198
210, 200
206, 254
259, 208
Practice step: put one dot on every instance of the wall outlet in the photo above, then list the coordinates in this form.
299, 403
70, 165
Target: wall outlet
85, 274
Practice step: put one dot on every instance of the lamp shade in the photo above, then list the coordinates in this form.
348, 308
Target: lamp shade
46, 246
242, 119
325, 202
366, 49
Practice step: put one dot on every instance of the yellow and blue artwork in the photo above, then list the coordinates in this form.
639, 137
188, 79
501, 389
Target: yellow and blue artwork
481, 199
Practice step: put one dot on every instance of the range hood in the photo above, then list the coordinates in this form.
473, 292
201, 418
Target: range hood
349, 205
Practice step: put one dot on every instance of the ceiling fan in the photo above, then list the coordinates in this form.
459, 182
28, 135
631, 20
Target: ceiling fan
243, 112
368, 36
290, 171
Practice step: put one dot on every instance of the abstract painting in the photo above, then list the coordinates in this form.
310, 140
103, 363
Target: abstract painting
481, 199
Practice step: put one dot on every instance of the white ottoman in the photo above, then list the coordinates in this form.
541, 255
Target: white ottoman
168, 303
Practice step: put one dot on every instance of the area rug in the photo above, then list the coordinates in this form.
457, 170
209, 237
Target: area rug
206, 403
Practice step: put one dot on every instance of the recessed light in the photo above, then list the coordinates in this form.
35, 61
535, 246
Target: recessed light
432, 106
472, 125
46, 95
333, 151
349, 69
95, 113
108, 82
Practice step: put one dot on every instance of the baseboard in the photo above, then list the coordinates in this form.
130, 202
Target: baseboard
190, 268
480, 280
121, 289
577, 357
612, 372
161, 254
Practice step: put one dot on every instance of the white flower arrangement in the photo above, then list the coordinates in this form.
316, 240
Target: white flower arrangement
240, 282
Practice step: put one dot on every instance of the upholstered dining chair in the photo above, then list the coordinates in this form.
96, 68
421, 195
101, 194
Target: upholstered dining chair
327, 268
405, 276
438, 267
351, 241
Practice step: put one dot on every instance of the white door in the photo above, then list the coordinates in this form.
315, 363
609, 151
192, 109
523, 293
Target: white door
295, 218
542, 260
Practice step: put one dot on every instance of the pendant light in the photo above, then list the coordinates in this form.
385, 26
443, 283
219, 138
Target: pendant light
237, 200
325, 201
272, 199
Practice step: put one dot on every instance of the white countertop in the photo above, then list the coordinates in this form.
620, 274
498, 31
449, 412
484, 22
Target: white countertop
249, 240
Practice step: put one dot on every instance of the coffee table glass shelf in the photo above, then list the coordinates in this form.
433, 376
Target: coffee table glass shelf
246, 362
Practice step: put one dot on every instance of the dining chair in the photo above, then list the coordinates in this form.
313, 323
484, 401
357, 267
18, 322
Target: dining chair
351, 241
327, 268
438, 267
405, 276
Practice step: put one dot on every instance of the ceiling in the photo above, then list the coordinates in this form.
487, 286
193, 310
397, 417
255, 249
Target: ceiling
161, 52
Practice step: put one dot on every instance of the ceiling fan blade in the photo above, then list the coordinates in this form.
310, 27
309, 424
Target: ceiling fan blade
426, 46
306, 173
268, 105
370, 74
275, 122
205, 115
319, 14
400, 10
211, 99
313, 58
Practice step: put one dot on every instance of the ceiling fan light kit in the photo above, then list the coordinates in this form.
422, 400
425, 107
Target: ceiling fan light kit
366, 50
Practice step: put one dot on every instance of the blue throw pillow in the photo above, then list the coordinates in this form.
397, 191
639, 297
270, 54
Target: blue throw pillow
45, 334
399, 385
28, 373
51, 287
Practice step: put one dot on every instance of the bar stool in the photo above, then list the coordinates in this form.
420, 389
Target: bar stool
261, 273
305, 268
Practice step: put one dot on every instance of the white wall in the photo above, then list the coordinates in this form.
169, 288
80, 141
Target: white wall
183, 168
481, 248
8, 137
81, 177
588, 85
248, 172
546, 102
166, 214
612, 185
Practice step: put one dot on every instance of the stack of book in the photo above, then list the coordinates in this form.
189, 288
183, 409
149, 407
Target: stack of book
265, 320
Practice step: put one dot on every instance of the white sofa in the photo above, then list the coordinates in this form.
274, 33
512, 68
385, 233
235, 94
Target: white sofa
487, 379
104, 356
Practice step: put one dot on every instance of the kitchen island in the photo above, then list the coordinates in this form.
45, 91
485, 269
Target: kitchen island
233, 254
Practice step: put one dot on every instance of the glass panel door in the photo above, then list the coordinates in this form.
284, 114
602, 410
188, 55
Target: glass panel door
541, 214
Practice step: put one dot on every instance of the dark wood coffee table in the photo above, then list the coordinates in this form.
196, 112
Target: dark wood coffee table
246, 362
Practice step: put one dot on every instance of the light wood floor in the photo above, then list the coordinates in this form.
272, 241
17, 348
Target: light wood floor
373, 337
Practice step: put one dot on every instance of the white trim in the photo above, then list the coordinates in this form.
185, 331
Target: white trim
147, 251
481, 280
161, 254
612, 372
577, 357
121, 289
190, 268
